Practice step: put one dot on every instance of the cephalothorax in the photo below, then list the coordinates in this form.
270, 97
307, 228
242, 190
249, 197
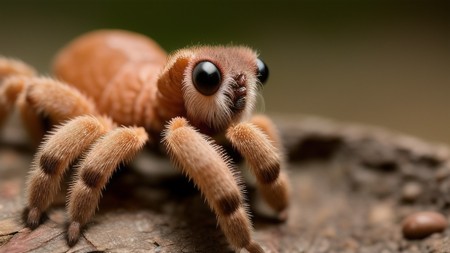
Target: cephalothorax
112, 78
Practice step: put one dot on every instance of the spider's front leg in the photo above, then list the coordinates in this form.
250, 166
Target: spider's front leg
102, 150
94, 171
55, 154
206, 164
259, 143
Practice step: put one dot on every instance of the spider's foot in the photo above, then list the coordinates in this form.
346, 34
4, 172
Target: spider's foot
254, 248
73, 233
283, 215
34, 218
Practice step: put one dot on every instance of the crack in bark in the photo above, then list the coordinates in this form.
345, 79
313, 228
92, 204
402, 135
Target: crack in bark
90, 243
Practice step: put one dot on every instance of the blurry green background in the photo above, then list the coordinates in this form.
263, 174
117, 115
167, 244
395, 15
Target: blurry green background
384, 63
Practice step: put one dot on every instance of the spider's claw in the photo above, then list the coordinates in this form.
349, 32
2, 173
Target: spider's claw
283, 215
34, 218
73, 233
253, 247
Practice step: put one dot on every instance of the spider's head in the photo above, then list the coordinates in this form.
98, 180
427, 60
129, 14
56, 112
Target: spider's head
220, 85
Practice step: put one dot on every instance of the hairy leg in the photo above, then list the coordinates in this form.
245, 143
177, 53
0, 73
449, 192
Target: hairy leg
40, 96
280, 191
57, 100
13, 74
259, 144
94, 171
268, 127
10, 90
12, 67
206, 164
56, 153
32, 121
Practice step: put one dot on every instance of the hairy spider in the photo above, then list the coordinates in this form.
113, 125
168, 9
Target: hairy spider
185, 100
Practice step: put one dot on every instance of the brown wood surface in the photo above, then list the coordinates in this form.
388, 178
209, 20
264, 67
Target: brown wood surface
348, 195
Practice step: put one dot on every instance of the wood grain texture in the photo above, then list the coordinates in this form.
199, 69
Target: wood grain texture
347, 185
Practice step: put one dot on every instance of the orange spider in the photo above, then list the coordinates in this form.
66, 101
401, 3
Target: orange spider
185, 99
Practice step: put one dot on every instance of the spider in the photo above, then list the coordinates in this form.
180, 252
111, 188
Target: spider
116, 90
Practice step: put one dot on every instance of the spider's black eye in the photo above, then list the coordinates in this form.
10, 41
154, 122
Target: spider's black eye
206, 78
263, 71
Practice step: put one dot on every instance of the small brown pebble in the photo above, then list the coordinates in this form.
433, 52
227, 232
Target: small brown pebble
422, 224
411, 191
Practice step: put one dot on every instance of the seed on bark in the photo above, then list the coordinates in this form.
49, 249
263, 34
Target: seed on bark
422, 224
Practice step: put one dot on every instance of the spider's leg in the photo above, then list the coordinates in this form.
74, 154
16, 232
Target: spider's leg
206, 164
13, 74
94, 170
46, 97
259, 143
33, 122
55, 155
41, 96
12, 93
10, 89
57, 100
13, 67
268, 127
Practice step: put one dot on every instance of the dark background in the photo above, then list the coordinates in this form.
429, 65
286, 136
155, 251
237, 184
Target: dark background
384, 63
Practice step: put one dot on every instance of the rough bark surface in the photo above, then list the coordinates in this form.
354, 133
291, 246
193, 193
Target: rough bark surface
350, 194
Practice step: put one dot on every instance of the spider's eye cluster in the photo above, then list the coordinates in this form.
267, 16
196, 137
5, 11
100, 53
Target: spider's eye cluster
206, 78
263, 71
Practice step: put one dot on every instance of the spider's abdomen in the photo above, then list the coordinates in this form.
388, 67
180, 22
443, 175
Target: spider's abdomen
118, 70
